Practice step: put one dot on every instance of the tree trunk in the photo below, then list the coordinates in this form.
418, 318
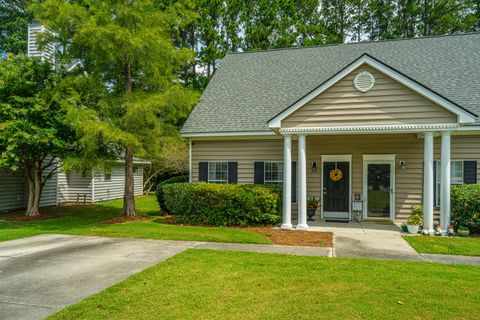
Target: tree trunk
35, 187
31, 188
129, 195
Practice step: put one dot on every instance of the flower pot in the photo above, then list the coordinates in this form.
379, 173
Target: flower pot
311, 213
413, 229
463, 233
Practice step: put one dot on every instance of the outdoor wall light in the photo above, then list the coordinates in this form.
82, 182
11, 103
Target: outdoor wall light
402, 164
314, 166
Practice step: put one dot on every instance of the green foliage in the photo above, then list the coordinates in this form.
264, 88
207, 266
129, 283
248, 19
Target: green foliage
223, 204
159, 191
415, 219
14, 18
32, 113
313, 202
465, 207
418, 209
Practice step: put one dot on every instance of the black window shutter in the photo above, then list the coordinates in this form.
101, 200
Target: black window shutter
259, 175
232, 172
469, 172
203, 171
294, 181
434, 182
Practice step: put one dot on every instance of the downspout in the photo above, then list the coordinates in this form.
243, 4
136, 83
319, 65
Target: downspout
93, 185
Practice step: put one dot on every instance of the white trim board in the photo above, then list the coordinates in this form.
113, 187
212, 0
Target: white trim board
228, 134
463, 115
371, 129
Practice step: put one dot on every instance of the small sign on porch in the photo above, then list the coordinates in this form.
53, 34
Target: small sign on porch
357, 207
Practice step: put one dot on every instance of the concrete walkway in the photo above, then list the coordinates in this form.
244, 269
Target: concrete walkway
380, 240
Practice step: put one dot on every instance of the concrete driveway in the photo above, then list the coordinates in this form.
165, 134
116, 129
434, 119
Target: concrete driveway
42, 274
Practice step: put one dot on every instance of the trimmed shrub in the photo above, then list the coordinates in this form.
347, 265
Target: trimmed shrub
223, 204
465, 206
159, 190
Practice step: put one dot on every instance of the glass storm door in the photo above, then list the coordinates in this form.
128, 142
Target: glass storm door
379, 190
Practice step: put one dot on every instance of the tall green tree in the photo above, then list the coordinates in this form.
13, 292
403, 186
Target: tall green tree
34, 130
14, 20
127, 46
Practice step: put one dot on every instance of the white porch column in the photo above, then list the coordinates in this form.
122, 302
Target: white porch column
445, 182
428, 181
287, 182
302, 183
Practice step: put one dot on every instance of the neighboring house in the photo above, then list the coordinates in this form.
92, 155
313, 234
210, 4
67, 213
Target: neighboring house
99, 185
95, 186
392, 123
72, 187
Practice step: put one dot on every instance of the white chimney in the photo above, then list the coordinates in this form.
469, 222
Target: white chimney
33, 50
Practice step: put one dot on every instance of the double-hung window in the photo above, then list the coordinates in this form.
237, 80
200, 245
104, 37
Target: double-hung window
107, 174
273, 173
456, 177
218, 172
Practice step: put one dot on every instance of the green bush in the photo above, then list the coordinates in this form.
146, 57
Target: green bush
465, 206
159, 190
223, 204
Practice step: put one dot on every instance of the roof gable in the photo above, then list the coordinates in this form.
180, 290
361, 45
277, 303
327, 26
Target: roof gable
386, 103
464, 116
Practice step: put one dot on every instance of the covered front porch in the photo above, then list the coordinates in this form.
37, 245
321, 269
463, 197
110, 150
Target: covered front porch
374, 175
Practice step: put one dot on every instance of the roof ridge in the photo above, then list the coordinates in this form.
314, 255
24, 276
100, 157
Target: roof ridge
356, 43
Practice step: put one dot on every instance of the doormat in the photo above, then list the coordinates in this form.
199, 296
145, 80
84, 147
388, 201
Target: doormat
339, 220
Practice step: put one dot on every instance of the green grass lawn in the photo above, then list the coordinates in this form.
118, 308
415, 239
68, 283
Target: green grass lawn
205, 284
84, 220
444, 245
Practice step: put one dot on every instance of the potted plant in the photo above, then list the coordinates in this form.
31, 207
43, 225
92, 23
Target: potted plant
312, 205
413, 223
463, 231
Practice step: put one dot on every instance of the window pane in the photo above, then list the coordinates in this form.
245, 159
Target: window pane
218, 172
273, 172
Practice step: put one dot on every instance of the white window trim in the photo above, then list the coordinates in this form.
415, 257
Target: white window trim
208, 173
438, 178
265, 175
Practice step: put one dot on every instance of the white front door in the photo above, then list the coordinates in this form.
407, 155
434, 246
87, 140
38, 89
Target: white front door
379, 187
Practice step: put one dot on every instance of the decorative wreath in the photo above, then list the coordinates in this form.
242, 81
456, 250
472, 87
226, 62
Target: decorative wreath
336, 175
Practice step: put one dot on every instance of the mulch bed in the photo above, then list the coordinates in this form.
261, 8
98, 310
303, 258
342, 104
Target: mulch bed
277, 236
34, 218
123, 219
295, 237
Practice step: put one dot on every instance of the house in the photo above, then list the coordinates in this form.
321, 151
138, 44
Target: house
73, 187
378, 127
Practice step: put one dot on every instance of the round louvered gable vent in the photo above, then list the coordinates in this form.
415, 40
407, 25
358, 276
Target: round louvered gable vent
364, 81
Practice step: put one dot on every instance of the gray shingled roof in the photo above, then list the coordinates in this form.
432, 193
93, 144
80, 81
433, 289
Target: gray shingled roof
248, 89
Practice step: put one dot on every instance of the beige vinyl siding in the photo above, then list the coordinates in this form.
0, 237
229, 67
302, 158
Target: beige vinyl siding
245, 152
12, 190
114, 189
408, 147
388, 103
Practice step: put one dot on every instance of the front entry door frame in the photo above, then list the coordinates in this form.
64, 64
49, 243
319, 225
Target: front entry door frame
339, 158
378, 159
